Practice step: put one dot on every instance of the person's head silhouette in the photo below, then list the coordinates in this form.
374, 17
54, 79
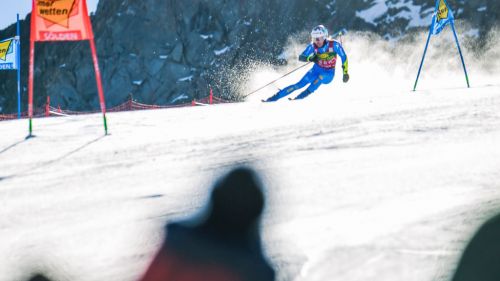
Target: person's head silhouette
38, 277
236, 202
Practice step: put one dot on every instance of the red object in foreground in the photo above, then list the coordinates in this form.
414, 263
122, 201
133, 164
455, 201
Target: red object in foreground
169, 267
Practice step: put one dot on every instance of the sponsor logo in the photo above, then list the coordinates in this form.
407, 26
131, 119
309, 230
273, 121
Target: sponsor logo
57, 11
326, 56
443, 11
6, 66
61, 36
327, 60
5, 49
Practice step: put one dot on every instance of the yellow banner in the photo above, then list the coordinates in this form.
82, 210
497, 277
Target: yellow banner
4, 49
9, 54
442, 11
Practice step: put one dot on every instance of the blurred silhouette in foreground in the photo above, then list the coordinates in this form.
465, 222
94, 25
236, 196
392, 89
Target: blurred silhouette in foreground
38, 277
481, 258
224, 244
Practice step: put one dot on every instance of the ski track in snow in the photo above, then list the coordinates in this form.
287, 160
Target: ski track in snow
364, 175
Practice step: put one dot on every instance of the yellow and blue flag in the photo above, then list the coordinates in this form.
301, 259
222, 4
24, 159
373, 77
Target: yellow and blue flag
8, 54
442, 17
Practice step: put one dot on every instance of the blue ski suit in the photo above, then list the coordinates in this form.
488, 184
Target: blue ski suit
322, 72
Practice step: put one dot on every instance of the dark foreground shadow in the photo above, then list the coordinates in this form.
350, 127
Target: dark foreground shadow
481, 258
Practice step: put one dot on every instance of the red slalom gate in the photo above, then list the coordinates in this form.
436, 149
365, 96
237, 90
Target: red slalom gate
61, 21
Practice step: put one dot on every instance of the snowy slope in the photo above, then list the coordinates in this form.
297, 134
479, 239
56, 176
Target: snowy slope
363, 175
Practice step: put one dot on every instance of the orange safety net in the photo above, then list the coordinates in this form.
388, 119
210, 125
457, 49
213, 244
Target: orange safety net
130, 105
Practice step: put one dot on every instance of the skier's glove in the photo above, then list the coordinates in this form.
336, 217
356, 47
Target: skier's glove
345, 78
313, 58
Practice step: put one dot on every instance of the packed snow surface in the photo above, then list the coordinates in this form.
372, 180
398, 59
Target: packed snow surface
364, 181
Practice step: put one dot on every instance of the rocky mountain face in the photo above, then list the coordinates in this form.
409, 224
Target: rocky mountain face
171, 51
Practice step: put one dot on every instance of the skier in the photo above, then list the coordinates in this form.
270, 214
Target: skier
323, 52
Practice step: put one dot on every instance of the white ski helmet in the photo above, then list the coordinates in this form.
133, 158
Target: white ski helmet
319, 31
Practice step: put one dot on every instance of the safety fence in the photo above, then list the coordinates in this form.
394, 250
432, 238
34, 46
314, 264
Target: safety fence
130, 105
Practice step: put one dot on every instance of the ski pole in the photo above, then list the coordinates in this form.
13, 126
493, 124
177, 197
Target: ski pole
255, 91
341, 32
